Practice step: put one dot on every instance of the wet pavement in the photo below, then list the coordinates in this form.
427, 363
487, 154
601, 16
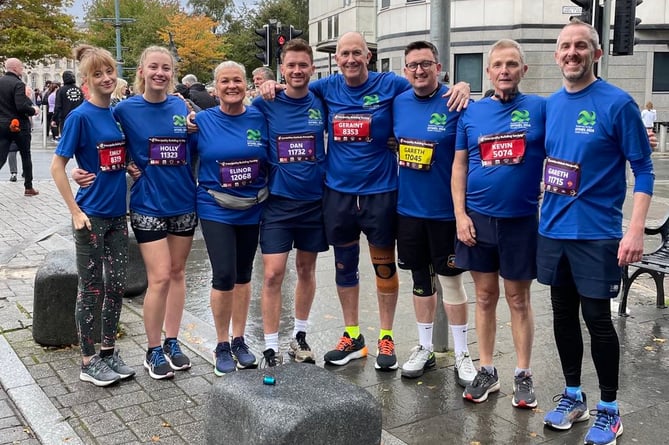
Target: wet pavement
42, 400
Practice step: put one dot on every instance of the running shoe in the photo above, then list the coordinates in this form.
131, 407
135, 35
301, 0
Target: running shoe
483, 384
157, 365
245, 358
98, 372
568, 411
175, 356
223, 358
300, 350
464, 369
386, 360
116, 363
419, 360
606, 429
270, 359
523, 391
346, 350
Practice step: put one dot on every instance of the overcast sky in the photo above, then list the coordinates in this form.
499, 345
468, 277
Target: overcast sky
77, 8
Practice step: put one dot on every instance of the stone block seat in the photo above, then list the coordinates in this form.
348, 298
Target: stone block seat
55, 295
306, 405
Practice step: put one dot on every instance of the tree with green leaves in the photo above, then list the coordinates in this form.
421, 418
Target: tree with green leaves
150, 18
218, 10
36, 31
240, 34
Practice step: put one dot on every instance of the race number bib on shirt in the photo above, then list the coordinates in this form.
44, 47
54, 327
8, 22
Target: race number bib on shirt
238, 173
562, 177
167, 151
352, 127
502, 149
416, 154
296, 148
111, 156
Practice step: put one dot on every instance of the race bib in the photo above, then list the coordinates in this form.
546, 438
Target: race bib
167, 151
562, 177
502, 149
111, 156
238, 173
296, 148
416, 154
352, 127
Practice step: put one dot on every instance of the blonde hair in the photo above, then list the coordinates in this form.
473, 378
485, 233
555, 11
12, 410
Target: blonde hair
140, 84
92, 58
229, 64
119, 91
649, 105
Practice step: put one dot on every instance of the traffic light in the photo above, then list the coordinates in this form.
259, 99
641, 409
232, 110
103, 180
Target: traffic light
265, 45
294, 32
624, 26
586, 11
280, 41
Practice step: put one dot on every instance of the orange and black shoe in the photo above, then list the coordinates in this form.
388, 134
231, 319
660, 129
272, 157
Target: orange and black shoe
346, 350
386, 360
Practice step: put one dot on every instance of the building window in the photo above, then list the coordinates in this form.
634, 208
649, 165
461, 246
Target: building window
333, 27
660, 70
385, 4
469, 68
415, 1
320, 31
385, 65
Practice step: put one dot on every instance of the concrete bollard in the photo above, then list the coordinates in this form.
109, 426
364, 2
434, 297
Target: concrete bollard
55, 295
54, 301
305, 405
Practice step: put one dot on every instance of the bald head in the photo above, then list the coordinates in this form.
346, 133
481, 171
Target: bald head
352, 57
353, 37
14, 65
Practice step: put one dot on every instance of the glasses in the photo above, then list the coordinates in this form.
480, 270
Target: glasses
425, 64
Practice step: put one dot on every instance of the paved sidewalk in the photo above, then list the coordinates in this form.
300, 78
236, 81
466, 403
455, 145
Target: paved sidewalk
43, 401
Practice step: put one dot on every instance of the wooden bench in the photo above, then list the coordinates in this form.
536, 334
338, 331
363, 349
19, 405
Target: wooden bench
655, 264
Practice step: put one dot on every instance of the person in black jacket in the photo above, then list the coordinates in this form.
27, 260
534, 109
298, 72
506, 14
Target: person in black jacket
197, 92
68, 97
15, 112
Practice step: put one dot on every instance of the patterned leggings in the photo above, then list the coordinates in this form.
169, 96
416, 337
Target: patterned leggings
102, 264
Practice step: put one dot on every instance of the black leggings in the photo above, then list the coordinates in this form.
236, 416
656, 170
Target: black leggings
604, 345
231, 251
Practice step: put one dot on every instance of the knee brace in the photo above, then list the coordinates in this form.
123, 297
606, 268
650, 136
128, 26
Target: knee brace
346, 265
423, 282
383, 260
454, 290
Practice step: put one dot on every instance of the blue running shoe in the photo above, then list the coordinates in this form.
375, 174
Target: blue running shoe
568, 411
245, 358
606, 429
224, 361
156, 364
174, 355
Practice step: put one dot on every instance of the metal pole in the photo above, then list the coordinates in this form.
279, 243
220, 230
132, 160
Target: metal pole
440, 32
606, 26
117, 26
440, 35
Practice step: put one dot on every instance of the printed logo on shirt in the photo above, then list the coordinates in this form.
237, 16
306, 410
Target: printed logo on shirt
74, 95
179, 123
253, 138
520, 119
371, 101
315, 117
437, 122
585, 124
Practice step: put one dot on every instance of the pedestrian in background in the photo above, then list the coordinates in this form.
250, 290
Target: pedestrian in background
52, 125
16, 110
68, 97
99, 221
649, 115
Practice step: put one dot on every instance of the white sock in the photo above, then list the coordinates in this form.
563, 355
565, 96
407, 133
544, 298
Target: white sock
425, 335
459, 332
272, 341
300, 325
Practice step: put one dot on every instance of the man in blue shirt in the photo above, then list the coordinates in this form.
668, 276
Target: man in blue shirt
592, 130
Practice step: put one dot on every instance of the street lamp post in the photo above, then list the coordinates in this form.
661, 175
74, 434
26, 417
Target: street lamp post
118, 22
